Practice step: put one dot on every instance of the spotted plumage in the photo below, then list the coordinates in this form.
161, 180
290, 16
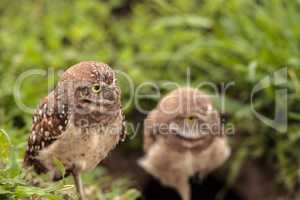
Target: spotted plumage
78, 123
48, 124
182, 138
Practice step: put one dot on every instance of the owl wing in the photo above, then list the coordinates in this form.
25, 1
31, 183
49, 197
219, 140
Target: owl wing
49, 122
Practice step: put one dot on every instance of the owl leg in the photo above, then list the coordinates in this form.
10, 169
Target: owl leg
78, 184
174, 178
184, 190
160, 164
177, 179
180, 183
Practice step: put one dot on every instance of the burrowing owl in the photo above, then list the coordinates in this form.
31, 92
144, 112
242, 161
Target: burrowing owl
182, 138
78, 123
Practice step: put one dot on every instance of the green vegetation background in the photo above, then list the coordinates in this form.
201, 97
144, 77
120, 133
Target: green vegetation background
219, 40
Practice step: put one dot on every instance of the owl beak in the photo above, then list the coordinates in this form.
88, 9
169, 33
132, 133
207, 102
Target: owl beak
189, 131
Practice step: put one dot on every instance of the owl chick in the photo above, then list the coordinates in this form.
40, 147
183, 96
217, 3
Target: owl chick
78, 123
182, 138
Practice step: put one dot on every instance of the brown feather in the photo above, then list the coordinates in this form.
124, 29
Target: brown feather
49, 122
57, 115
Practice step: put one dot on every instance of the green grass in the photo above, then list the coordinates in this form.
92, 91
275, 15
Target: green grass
220, 41
17, 183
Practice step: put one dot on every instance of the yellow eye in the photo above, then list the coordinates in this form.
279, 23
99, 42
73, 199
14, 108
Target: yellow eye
96, 88
191, 119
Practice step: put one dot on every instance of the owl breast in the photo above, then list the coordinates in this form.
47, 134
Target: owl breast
162, 161
80, 148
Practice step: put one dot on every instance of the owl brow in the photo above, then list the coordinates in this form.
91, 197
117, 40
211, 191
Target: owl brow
101, 77
96, 72
113, 87
96, 75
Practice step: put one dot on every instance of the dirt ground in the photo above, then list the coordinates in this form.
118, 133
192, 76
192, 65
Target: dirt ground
253, 183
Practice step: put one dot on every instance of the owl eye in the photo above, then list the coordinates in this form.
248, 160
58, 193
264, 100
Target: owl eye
96, 88
191, 119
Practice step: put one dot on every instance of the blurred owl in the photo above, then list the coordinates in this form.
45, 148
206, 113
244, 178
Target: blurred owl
182, 138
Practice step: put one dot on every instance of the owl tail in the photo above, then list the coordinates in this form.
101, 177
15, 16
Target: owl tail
29, 161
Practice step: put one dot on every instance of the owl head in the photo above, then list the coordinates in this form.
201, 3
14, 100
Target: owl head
185, 114
90, 90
